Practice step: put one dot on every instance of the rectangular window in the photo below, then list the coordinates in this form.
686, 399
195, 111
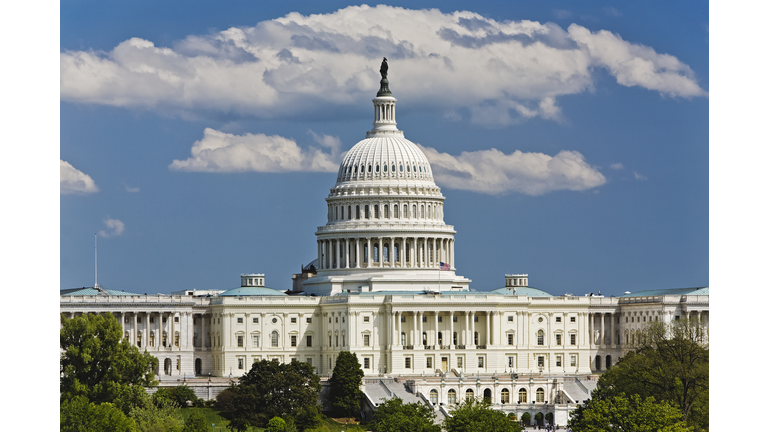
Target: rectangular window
309, 340
511, 362
558, 361
480, 361
138, 320
439, 318
293, 340
309, 361
366, 340
429, 362
239, 341
455, 319
366, 363
475, 318
573, 319
240, 320
510, 318
423, 319
366, 319
309, 320
255, 340
293, 320
541, 361
460, 362
255, 320
407, 362
240, 363
558, 339
175, 319
151, 320
165, 319
573, 360
510, 339
558, 319
176, 339
178, 364
402, 319
573, 339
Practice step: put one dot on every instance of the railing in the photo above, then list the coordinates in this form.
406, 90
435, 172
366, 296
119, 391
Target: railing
582, 386
429, 347
408, 347
386, 389
461, 347
480, 346
445, 347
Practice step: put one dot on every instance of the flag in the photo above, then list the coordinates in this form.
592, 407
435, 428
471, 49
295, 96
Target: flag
444, 267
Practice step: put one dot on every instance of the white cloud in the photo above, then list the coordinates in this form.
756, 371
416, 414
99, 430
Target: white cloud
300, 65
74, 181
114, 228
131, 189
617, 166
640, 177
224, 152
493, 172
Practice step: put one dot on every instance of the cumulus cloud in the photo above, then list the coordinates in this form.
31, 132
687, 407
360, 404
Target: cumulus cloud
115, 228
300, 65
640, 177
225, 152
74, 181
493, 172
131, 189
617, 166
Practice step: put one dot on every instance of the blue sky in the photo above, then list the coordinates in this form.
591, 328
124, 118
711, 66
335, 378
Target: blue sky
610, 100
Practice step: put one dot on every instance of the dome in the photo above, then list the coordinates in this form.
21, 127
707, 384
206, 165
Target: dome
521, 291
385, 157
252, 291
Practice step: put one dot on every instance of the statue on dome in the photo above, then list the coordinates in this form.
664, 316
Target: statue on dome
384, 68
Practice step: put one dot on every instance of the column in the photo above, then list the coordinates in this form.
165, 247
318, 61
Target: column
450, 336
398, 326
391, 251
357, 253
613, 330
437, 329
592, 330
420, 336
453, 265
337, 252
465, 329
319, 255
202, 331
488, 316
135, 330
602, 329
375, 342
391, 329
370, 252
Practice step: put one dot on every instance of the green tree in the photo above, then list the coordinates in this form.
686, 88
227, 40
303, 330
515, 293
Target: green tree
79, 415
671, 364
627, 414
271, 389
162, 416
276, 424
395, 416
526, 418
97, 363
196, 422
345, 393
308, 417
472, 415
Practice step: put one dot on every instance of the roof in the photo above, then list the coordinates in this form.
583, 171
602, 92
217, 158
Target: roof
90, 291
252, 291
673, 291
521, 291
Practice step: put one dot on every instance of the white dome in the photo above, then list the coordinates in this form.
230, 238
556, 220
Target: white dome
385, 158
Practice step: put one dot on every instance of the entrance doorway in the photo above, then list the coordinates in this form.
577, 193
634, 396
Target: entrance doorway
198, 367
487, 396
167, 366
444, 364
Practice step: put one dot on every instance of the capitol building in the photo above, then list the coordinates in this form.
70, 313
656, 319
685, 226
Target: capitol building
384, 286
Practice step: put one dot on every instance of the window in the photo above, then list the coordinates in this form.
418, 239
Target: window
511, 362
433, 396
429, 362
329, 320
240, 320
239, 341
176, 339
309, 361
256, 320
573, 360
558, 339
573, 339
175, 319
151, 320
293, 340
455, 319
558, 361
366, 340
165, 319
470, 394
366, 362
476, 338
541, 361
402, 338
455, 338
366, 319
510, 318
274, 320
138, 320
293, 320
275, 337
256, 340
309, 340
573, 319
407, 362
439, 319
240, 363
424, 338
510, 339
522, 396
439, 338
504, 396
309, 320
460, 362
452, 397
540, 337
475, 318
402, 319
539, 395
480, 361
558, 319
337, 320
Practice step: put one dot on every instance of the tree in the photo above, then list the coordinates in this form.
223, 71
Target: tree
196, 422
472, 415
526, 418
394, 416
276, 424
671, 364
271, 389
345, 393
308, 417
161, 416
79, 415
627, 414
97, 363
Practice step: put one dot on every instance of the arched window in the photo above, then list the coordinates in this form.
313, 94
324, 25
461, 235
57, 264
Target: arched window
377, 168
401, 167
598, 363
540, 337
433, 396
470, 394
396, 214
504, 396
393, 167
421, 213
424, 338
607, 362
342, 212
355, 170
376, 252
397, 251
357, 212
275, 337
337, 213
386, 252
369, 167
376, 211
539, 395
349, 212
385, 168
439, 338
452, 397
414, 212
367, 215
408, 168
405, 211
522, 396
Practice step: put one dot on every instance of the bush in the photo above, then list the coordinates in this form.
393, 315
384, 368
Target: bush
182, 394
512, 416
276, 425
224, 398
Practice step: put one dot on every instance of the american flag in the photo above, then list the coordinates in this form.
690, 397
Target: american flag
444, 267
